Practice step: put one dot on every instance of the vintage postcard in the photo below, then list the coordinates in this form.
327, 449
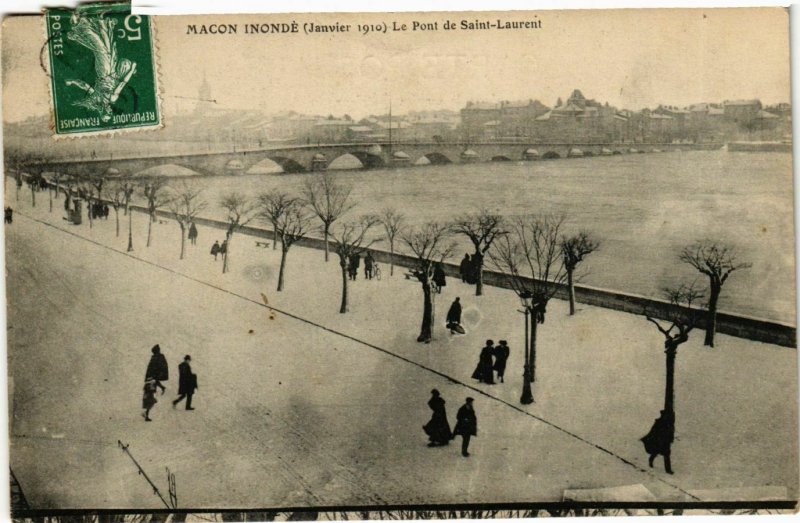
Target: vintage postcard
399, 265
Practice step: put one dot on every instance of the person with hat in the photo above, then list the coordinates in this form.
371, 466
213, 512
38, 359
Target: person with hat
454, 317
466, 425
659, 439
438, 428
484, 372
157, 369
501, 352
187, 383
149, 397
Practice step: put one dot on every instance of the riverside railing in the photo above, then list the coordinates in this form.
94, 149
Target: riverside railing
737, 325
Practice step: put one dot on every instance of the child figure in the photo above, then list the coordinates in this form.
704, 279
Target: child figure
149, 397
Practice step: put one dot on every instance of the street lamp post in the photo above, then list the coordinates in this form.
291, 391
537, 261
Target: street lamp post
527, 376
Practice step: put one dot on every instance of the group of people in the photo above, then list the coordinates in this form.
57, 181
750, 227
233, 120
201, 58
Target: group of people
470, 268
98, 210
158, 371
493, 359
354, 262
219, 249
438, 428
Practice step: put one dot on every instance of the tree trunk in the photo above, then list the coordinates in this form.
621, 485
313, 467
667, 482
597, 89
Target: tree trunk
89, 209
391, 258
479, 272
534, 325
50, 193
183, 239
228, 238
669, 391
325, 231
33, 195
711, 320
571, 288
284, 252
116, 215
426, 331
274, 236
343, 307
149, 228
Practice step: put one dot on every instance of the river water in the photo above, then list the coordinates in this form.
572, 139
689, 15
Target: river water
643, 208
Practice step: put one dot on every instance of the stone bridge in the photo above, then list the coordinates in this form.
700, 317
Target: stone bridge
303, 158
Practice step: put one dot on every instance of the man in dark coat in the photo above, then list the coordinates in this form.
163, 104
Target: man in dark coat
500, 357
157, 369
187, 383
659, 439
9, 215
463, 268
215, 249
466, 425
484, 372
192, 233
369, 262
355, 263
454, 316
439, 278
438, 428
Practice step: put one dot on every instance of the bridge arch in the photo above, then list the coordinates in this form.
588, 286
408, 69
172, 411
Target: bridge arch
434, 158
501, 158
356, 160
167, 170
551, 155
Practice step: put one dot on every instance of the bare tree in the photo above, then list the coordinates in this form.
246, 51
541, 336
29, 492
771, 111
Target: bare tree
575, 248
153, 190
530, 257
273, 205
348, 240
185, 204
393, 223
329, 200
680, 318
241, 210
117, 192
716, 260
482, 229
428, 244
293, 225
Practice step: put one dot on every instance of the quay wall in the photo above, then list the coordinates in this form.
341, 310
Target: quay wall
741, 326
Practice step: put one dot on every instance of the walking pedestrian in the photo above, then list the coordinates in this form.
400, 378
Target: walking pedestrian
187, 383
157, 369
215, 249
659, 439
439, 278
501, 353
484, 372
369, 262
192, 233
148, 398
454, 317
438, 428
466, 425
355, 263
9, 214
223, 249
463, 268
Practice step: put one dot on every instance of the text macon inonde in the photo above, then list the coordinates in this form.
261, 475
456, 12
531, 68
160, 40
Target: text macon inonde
376, 27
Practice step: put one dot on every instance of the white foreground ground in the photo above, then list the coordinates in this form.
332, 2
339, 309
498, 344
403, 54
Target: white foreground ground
291, 414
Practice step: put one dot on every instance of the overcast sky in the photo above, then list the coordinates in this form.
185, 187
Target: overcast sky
631, 58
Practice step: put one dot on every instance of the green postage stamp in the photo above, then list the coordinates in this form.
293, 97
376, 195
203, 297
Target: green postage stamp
102, 69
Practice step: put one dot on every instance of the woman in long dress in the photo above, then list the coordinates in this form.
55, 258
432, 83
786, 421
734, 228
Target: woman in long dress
438, 428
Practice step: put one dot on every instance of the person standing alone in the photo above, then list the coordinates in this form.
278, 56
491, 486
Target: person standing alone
187, 383
466, 425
